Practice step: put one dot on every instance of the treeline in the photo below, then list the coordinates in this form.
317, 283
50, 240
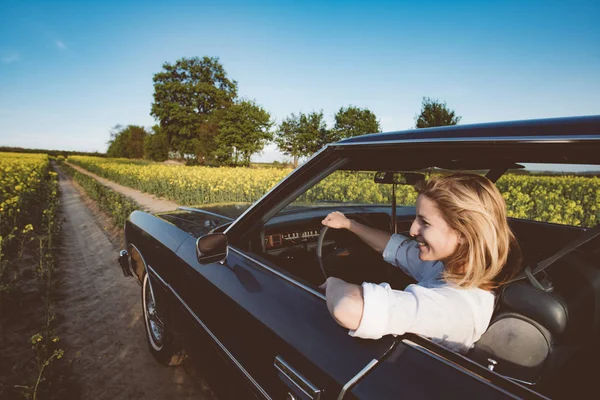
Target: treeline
54, 153
133, 141
201, 118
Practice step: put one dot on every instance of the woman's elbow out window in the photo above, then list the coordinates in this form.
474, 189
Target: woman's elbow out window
348, 312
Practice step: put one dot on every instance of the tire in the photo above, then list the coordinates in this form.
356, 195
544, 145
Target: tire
161, 341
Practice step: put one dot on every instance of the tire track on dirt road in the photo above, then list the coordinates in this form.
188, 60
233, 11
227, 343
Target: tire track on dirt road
102, 329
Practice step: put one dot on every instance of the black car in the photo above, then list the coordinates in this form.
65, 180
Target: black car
240, 293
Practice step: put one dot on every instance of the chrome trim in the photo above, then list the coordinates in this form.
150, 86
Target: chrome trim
516, 139
300, 382
221, 346
357, 377
281, 275
519, 381
203, 211
452, 364
294, 172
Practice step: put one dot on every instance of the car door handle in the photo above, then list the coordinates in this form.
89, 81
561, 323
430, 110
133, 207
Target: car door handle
301, 387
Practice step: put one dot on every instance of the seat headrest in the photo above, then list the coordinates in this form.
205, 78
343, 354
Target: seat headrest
546, 308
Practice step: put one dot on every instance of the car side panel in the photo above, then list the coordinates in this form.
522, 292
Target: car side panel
207, 358
205, 355
257, 315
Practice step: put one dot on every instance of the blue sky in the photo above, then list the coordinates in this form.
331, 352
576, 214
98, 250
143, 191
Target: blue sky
71, 70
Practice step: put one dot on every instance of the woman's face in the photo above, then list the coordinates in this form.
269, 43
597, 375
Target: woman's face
436, 240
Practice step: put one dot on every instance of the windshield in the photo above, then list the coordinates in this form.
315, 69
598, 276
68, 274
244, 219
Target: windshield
556, 193
352, 188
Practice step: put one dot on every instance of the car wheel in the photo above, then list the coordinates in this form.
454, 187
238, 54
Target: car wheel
161, 342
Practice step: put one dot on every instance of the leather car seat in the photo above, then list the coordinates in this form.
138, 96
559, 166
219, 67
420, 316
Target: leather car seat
535, 332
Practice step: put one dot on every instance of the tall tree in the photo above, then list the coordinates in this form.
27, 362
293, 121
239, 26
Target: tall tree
127, 142
244, 129
302, 135
353, 121
435, 113
186, 95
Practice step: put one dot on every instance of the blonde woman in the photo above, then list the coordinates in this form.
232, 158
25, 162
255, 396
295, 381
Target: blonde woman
459, 248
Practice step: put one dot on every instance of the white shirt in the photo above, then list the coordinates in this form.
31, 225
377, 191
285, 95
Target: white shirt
447, 314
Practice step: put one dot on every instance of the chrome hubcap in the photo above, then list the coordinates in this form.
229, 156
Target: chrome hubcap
154, 324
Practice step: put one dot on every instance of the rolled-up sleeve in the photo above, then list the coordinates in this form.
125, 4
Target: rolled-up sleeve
453, 317
380, 304
404, 253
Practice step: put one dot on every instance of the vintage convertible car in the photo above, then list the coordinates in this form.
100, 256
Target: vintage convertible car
240, 292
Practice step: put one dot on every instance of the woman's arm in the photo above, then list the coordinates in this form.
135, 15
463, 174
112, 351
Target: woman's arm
396, 249
344, 302
375, 238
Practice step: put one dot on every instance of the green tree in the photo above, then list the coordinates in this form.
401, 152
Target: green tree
156, 145
116, 144
127, 142
187, 95
353, 121
313, 130
244, 129
288, 139
302, 135
435, 113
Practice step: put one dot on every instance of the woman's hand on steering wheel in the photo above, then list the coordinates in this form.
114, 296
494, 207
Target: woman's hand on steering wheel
336, 220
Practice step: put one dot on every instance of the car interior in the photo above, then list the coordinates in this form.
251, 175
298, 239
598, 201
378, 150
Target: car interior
543, 336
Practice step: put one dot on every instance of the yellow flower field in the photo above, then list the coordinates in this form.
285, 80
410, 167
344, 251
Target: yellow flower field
21, 179
28, 203
563, 199
187, 185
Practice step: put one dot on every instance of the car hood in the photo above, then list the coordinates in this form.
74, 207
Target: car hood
201, 220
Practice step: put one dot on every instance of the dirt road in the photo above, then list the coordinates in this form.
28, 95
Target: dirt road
101, 326
147, 201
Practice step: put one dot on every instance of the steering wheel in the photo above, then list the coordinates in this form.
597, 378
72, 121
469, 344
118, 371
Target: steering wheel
321, 240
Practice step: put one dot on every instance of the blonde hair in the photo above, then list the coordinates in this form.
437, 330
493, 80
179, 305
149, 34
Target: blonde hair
474, 208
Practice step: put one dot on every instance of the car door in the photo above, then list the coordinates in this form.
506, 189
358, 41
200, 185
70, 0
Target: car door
418, 369
277, 331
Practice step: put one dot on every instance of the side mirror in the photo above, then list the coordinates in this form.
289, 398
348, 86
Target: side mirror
399, 178
211, 248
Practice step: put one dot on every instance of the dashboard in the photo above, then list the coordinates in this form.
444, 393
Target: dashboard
277, 240
300, 229
289, 241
